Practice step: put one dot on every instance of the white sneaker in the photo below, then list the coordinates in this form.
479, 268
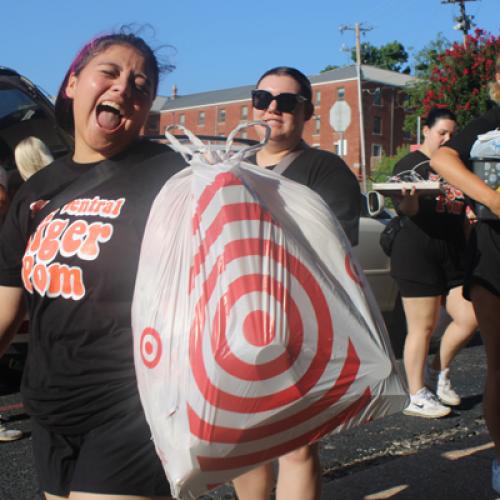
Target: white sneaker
444, 390
9, 435
425, 404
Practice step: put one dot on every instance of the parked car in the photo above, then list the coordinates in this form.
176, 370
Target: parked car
25, 110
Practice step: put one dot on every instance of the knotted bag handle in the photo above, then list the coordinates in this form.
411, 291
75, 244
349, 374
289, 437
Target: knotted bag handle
196, 146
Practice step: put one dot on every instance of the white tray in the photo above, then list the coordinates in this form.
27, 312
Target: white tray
422, 187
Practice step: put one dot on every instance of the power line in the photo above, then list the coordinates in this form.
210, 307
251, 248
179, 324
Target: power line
464, 21
358, 29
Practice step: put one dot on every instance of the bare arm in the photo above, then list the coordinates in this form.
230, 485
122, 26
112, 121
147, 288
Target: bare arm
447, 163
11, 315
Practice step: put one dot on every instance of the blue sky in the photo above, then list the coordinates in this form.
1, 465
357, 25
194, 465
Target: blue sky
220, 44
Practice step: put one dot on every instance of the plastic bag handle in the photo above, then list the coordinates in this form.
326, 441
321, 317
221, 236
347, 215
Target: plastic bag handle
186, 150
245, 152
198, 147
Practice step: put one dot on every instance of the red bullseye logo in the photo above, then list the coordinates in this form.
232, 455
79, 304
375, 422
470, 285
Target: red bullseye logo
259, 328
263, 337
150, 347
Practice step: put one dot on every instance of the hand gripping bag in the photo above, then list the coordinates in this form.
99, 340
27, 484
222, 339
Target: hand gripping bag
255, 331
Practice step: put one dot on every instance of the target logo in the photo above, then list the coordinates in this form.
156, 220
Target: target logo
262, 346
150, 347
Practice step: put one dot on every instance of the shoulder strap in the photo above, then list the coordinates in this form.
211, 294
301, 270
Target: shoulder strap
287, 160
87, 181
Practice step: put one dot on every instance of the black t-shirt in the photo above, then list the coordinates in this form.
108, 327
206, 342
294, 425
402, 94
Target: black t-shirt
78, 269
438, 216
330, 177
463, 141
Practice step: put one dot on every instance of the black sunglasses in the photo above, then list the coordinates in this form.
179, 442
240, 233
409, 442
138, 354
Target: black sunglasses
286, 102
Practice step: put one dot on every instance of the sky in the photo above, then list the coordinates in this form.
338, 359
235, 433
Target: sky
221, 44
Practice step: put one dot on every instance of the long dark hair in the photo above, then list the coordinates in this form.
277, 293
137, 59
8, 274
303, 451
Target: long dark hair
64, 105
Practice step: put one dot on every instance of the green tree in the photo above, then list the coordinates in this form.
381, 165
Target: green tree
384, 169
385, 166
329, 68
458, 78
391, 56
426, 58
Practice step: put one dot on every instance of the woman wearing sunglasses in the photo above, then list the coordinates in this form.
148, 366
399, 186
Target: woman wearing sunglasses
282, 100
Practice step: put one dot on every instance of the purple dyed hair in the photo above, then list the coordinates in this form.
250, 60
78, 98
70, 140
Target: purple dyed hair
64, 105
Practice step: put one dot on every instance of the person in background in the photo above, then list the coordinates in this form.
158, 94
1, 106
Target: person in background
482, 282
282, 99
427, 264
90, 437
31, 155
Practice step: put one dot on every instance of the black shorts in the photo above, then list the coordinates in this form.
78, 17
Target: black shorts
410, 289
483, 258
424, 266
116, 458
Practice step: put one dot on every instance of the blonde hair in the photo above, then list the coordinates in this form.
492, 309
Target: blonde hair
31, 155
495, 85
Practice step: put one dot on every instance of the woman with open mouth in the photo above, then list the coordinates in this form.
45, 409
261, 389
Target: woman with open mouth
69, 252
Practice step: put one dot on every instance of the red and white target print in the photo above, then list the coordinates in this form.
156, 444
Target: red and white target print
262, 347
150, 347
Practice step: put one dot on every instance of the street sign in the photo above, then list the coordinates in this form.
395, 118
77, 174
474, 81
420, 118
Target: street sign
340, 116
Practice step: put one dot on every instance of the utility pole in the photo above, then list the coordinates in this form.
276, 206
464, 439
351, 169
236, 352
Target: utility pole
358, 29
464, 22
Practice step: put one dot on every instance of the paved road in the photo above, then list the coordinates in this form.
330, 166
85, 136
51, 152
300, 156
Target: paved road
396, 457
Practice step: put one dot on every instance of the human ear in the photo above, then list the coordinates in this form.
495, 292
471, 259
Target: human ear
71, 86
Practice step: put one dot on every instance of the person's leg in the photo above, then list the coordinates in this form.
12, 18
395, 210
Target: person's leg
459, 331
256, 484
487, 307
421, 318
299, 475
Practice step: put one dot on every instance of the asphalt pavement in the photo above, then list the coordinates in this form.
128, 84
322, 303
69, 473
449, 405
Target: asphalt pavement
397, 457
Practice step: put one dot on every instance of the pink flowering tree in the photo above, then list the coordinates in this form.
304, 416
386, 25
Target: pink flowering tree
458, 79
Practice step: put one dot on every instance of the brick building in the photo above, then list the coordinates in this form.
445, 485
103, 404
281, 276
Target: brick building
383, 94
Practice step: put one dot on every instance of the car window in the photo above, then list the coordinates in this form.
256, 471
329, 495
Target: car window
24, 112
15, 103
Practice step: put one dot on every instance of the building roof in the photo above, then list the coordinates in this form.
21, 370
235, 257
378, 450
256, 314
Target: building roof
223, 96
369, 73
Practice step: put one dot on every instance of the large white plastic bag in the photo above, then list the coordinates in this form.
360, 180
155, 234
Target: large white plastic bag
255, 331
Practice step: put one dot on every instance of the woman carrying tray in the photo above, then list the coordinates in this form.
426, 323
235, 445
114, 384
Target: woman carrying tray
426, 262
